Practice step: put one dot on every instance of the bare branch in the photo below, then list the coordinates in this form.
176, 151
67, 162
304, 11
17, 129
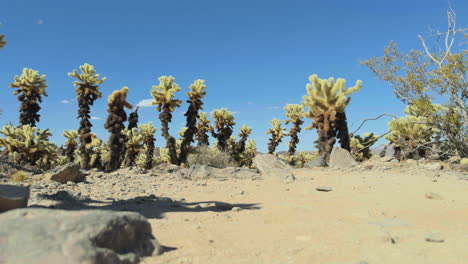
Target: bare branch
369, 119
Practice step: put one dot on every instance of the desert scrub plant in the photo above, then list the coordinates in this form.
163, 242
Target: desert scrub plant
116, 104
20, 176
163, 95
360, 146
2, 41
133, 119
203, 128
326, 101
71, 144
133, 145
294, 113
147, 131
211, 156
195, 95
27, 144
224, 122
30, 87
277, 134
87, 92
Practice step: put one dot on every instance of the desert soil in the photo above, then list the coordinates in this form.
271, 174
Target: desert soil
379, 215
370, 216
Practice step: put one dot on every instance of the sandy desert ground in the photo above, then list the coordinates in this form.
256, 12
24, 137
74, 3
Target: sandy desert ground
382, 215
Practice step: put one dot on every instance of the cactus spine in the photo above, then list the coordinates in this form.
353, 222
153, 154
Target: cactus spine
196, 94
224, 121
277, 133
116, 103
294, 113
163, 95
87, 91
30, 89
326, 101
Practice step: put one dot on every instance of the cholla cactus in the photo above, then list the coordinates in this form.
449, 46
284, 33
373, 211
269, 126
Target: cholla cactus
87, 91
277, 133
411, 136
224, 121
326, 102
133, 119
99, 153
71, 144
2, 41
27, 144
247, 156
30, 88
196, 94
298, 160
294, 113
203, 128
164, 156
133, 145
116, 103
147, 131
244, 134
360, 147
163, 95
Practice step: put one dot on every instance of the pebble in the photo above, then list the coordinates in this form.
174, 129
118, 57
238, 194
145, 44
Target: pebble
236, 209
433, 196
223, 206
323, 188
435, 237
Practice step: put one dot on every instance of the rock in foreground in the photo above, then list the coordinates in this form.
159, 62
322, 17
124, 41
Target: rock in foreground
12, 197
341, 159
68, 172
271, 166
55, 236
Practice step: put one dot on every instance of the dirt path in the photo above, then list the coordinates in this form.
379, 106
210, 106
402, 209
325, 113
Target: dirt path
375, 216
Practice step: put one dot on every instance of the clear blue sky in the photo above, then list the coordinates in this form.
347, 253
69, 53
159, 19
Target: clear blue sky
255, 56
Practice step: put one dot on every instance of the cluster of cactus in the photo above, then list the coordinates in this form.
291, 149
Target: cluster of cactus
71, 144
360, 146
203, 129
298, 160
27, 144
277, 134
223, 127
326, 101
30, 87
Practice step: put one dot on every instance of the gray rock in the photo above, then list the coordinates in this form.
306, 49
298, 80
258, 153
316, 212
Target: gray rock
386, 159
314, 163
236, 209
341, 159
324, 188
55, 236
197, 172
223, 206
434, 166
434, 237
386, 150
433, 196
12, 197
68, 172
272, 166
454, 159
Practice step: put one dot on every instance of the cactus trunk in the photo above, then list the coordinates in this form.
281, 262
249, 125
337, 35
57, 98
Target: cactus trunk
342, 127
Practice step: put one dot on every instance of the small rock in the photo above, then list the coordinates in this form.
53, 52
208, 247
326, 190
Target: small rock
341, 159
12, 197
68, 172
454, 159
323, 188
435, 237
314, 163
434, 166
236, 209
433, 196
223, 206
